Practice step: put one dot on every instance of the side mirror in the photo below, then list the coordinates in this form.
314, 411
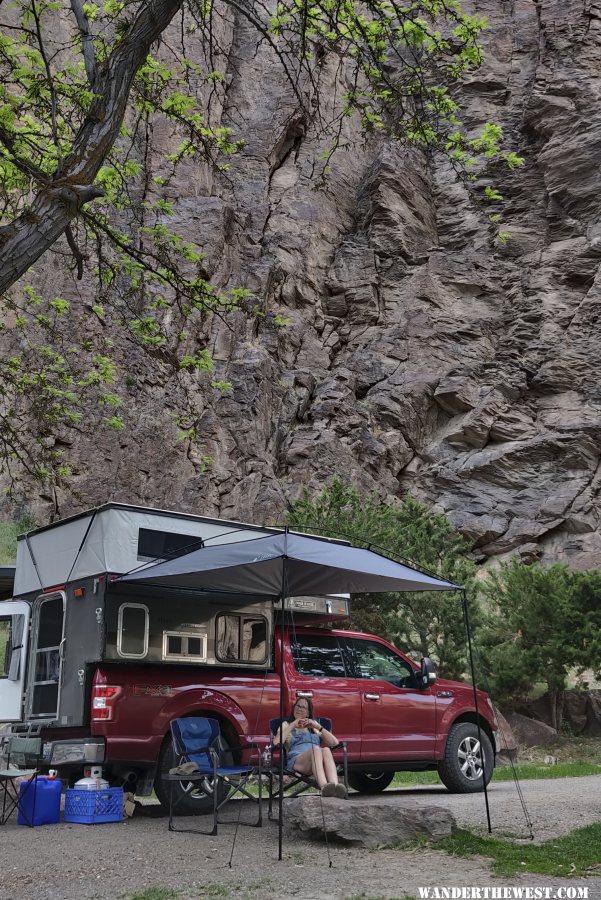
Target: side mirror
427, 673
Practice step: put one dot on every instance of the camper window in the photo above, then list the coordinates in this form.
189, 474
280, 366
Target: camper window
5, 645
177, 645
132, 630
241, 638
165, 544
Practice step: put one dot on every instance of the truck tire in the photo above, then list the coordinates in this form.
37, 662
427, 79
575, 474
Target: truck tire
190, 798
461, 769
370, 782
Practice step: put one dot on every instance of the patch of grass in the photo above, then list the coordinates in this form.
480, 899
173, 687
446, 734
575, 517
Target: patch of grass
297, 857
364, 896
214, 890
155, 893
525, 770
8, 538
8, 543
566, 749
402, 779
252, 890
258, 885
574, 854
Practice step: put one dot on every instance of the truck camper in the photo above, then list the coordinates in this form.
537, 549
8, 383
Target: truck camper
99, 668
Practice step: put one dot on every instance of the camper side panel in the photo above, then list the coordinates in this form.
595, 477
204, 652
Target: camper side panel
187, 629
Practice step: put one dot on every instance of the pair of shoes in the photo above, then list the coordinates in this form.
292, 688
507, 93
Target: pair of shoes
340, 791
329, 790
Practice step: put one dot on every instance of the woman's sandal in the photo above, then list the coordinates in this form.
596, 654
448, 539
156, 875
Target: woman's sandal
329, 790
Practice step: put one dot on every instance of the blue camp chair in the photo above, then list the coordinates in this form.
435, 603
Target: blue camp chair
196, 740
295, 783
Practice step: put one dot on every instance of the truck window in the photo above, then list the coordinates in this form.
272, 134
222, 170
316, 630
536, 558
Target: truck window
318, 656
241, 638
132, 630
375, 661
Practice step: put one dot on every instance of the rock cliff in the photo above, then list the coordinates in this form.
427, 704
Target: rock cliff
420, 353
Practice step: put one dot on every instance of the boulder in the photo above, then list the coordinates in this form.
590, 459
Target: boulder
575, 710
581, 710
529, 732
367, 824
508, 745
538, 709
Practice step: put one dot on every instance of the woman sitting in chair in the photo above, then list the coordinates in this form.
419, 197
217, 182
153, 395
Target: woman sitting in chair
308, 748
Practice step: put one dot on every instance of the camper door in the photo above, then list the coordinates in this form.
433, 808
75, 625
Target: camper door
14, 635
47, 646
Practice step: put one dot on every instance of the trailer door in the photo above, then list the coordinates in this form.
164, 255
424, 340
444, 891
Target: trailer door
14, 635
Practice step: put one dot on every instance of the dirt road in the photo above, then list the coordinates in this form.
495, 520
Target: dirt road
71, 862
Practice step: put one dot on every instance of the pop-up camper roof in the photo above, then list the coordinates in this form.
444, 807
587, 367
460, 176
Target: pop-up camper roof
114, 538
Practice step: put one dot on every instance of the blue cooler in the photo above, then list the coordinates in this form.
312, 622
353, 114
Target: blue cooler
40, 800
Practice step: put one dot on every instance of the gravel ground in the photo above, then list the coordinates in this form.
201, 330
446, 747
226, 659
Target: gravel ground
70, 862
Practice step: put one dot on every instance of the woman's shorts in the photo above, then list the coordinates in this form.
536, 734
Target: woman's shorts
292, 757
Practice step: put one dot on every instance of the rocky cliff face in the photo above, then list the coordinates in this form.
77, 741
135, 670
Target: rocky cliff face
420, 354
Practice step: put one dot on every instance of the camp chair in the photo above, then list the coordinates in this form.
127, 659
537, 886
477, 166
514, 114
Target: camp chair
22, 762
295, 783
196, 742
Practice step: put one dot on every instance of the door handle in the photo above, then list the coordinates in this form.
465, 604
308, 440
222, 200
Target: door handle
371, 696
444, 694
61, 649
304, 693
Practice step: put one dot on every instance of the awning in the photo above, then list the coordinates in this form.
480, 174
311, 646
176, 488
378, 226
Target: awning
286, 564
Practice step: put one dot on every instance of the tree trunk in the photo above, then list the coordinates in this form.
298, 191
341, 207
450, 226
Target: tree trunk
555, 706
25, 239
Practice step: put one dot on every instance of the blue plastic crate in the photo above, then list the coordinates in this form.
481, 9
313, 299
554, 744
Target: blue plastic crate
93, 807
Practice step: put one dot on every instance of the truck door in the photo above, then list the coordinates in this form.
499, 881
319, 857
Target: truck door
319, 671
398, 718
14, 636
47, 655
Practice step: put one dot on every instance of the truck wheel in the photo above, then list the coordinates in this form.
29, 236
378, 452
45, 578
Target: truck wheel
461, 769
370, 782
190, 798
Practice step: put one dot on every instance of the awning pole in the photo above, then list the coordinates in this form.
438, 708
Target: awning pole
282, 749
468, 629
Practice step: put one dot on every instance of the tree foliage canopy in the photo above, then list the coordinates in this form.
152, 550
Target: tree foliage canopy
82, 85
542, 623
423, 624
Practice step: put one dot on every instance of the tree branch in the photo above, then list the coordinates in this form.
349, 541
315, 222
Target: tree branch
87, 41
77, 254
27, 237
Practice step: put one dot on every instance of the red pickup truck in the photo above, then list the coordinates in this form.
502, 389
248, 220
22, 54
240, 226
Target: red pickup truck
99, 667
393, 715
